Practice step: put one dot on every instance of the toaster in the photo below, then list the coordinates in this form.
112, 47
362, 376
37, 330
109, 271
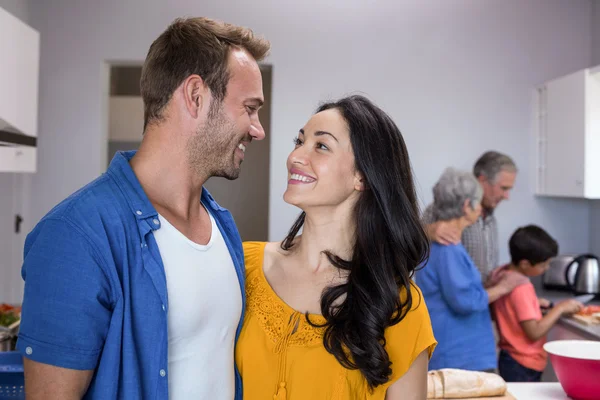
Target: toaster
554, 277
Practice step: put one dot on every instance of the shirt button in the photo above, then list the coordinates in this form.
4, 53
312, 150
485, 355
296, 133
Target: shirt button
164, 308
28, 350
138, 212
156, 222
163, 373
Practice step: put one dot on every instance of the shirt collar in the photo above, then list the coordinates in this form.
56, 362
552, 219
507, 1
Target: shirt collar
489, 215
120, 170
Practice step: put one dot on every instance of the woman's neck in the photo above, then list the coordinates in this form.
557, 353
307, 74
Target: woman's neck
325, 231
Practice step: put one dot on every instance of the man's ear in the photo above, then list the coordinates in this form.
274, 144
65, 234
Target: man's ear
194, 95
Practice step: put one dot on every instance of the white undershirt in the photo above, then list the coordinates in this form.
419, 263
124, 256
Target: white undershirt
205, 306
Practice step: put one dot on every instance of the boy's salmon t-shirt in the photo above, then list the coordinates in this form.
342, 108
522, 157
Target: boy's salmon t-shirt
509, 311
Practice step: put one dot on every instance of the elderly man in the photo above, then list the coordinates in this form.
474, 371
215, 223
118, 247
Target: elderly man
496, 173
97, 321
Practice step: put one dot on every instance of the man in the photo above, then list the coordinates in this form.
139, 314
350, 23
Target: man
97, 321
496, 173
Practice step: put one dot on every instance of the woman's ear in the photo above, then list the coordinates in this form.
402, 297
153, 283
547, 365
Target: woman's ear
359, 182
467, 206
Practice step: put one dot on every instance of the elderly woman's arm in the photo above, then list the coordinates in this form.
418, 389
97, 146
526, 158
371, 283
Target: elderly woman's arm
503, 288
460, 283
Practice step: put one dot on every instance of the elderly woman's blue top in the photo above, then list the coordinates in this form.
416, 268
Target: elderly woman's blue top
459, 310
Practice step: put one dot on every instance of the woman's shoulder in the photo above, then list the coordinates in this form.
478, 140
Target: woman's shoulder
447, 248
411, 336
415, 320
443, 252
255, 253
417, 310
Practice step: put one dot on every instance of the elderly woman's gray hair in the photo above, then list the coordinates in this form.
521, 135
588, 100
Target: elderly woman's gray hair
451, 191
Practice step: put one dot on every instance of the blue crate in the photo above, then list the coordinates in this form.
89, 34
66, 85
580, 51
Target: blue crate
12, 379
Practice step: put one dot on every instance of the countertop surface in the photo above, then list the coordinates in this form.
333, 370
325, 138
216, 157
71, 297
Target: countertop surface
590, 332
537, 391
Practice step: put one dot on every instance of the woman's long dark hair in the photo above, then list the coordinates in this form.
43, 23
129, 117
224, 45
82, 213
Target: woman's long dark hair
390, 245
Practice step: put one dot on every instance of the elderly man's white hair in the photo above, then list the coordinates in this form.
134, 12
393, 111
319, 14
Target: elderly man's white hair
451, 191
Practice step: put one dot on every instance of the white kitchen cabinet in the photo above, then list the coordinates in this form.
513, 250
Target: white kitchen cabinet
568, 136
19, 77
18, 159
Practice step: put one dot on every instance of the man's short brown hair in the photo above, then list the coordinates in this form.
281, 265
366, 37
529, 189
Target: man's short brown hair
193, 46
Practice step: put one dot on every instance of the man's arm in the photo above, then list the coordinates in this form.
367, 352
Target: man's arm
440, 231
66, 313
413, 384
47, 382
536, 329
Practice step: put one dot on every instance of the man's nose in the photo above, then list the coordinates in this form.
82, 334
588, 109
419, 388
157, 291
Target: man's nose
256, 130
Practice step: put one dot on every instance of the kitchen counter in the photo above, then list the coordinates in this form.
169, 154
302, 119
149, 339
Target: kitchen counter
587, 332
537, 391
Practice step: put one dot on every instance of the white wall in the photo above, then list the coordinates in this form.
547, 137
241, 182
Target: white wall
595, 208
456, 75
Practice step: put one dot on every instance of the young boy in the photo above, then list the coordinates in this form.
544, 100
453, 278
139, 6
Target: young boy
521, 326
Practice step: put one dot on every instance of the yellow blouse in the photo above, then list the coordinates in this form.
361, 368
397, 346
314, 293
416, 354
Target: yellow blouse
277, 363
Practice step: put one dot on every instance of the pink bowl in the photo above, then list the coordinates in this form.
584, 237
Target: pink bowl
577, 366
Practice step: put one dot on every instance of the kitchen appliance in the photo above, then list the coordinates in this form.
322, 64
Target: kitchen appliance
577, 366
587, 275
554, 277
8, 336
6, 341
586, 298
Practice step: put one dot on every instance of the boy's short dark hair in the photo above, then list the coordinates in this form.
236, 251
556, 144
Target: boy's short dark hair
533, 244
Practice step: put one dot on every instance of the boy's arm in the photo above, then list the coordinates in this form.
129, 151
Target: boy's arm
536, 329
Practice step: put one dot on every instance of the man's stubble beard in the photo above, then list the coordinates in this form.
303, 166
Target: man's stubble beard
210, 149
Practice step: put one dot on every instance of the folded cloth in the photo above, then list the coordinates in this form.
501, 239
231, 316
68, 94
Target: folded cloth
498, 273
452, 383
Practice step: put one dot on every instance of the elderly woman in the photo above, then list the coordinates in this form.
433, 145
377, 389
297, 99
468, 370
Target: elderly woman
451, 284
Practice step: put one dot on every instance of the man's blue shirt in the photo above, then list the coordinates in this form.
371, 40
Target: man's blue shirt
96, 291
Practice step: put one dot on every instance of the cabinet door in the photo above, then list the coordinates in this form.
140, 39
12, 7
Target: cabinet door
563, 134
19, 69
18, 159
592, 138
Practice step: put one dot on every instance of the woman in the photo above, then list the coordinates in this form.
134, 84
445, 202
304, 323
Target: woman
451, 284
332, 313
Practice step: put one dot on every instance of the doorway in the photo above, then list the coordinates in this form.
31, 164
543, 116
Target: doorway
247, 198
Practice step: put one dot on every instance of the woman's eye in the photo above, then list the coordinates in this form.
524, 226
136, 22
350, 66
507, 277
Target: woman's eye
322, 146
297, 141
